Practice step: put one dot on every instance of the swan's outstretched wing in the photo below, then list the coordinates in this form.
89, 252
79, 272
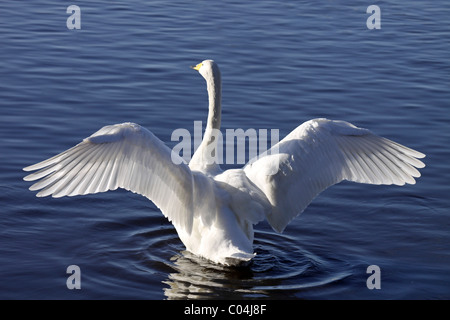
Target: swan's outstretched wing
120, 156
320, 153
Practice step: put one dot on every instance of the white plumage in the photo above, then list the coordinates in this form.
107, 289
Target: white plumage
214, 211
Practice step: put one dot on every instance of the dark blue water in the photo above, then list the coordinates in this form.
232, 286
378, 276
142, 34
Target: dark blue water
282, 64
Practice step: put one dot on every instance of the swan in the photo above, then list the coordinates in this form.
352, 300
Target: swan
214, 211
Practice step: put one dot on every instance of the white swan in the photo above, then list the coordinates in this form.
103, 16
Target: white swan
214, 211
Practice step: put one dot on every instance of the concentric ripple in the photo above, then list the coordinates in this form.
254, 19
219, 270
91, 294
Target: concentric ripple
281, 269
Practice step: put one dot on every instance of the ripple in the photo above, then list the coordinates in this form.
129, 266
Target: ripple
282, 268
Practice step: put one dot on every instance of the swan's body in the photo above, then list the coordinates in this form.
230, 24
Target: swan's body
214, 211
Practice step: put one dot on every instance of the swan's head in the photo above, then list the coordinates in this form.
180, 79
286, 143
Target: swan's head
208, 69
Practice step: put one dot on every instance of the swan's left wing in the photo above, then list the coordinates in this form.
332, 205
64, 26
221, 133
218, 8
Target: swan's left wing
120, 156
321, 153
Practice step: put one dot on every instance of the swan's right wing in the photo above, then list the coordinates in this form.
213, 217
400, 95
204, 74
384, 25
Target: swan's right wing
321, 153
120, 156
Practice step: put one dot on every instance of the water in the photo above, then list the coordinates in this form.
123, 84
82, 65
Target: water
282, 64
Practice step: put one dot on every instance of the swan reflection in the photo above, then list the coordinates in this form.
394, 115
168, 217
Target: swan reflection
198, 278
276, 275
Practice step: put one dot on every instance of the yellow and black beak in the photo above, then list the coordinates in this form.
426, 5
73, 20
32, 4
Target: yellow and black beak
197, 67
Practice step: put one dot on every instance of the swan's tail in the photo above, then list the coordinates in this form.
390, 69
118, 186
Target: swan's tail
239, 259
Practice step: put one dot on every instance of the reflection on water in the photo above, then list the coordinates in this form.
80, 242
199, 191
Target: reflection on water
197, 278
282, 275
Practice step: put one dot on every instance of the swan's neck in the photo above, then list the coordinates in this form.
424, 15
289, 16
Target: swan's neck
206, 157
214, 110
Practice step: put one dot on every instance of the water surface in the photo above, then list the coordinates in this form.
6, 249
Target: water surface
282, 64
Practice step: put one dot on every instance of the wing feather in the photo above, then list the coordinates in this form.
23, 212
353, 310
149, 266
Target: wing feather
321, 153
120, 156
